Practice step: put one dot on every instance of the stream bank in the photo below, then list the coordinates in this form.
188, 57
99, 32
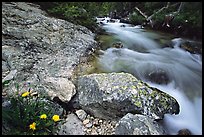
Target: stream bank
164, 61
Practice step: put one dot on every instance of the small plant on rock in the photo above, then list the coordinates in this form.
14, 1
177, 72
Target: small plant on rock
28, 113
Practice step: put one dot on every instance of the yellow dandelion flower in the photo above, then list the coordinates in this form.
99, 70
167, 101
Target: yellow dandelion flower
43, 116
32, 126
56, 118
25, 94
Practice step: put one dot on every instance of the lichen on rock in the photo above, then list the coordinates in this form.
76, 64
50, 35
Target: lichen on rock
113, 95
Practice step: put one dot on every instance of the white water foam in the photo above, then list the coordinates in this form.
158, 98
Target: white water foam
190, 115
183, 68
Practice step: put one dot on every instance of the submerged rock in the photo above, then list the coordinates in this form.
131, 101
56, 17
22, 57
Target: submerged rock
138, 125
113, 95
117, 45
192, 47
158, 76
184, 132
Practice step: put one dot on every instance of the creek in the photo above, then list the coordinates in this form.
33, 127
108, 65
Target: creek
157, 59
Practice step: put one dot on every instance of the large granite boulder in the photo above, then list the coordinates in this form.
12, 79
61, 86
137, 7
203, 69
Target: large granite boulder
113, 95
40, 49
138, 125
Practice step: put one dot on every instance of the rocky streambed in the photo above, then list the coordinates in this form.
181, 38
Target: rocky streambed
47, 52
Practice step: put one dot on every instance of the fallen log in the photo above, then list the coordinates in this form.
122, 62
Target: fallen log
169, 18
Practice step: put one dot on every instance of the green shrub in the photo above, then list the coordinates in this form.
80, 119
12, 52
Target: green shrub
135, 18
74, 14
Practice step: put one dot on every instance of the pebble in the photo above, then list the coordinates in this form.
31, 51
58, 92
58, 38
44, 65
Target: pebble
95, 123
92, 118
96, 126
86, 121
81, 114
94, 132
88, 125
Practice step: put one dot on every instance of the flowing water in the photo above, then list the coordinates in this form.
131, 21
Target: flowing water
144, 53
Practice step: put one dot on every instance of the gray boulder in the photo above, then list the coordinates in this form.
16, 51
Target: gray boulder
113, 95
194, 47
138, 125
158, 76
41, 49
72, 126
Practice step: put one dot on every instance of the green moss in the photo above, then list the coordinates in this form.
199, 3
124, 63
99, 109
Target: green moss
162, 99
153, 94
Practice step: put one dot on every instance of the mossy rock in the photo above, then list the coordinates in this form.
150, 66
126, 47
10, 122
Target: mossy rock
112, 95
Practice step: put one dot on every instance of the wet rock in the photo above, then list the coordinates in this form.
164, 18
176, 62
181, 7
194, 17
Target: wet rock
192, 47
138, 125
158, 76
112, 95
112, 20
125, 20
184, 132
72, 126
117, 45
